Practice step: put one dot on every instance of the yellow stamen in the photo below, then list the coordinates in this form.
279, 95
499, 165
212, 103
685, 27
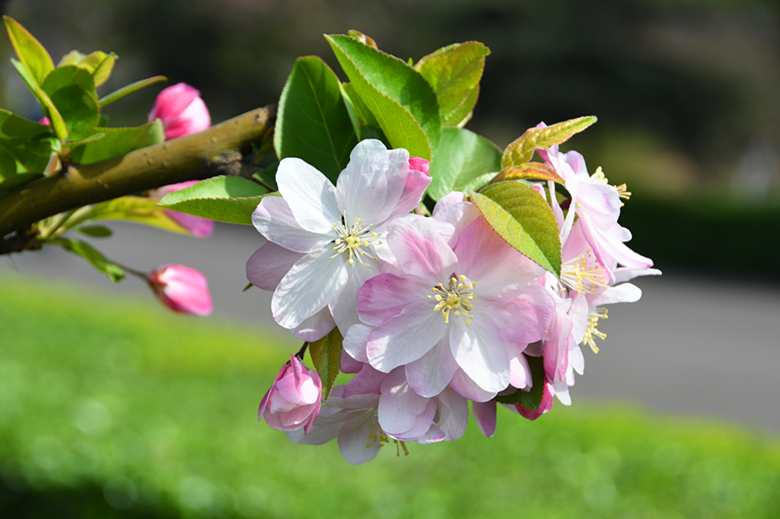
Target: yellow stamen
583, 273
592, 331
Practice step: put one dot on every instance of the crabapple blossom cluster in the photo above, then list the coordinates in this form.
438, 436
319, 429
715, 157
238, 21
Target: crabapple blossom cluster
435, 311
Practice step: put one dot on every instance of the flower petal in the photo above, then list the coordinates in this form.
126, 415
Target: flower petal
274, 220
405, 337
269, 264
310, 195
312, 283
386, 295
372, 183
480, 351
431, 374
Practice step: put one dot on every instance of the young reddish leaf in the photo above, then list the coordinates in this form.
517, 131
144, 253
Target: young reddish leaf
521, 216
532, 171
521, 150
326, 356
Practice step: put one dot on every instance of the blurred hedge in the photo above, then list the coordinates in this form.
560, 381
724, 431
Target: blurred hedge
706, 235
113, 409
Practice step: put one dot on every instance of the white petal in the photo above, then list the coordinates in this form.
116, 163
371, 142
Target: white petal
310, 195
312, 283
372, 183
274, 220
481, 352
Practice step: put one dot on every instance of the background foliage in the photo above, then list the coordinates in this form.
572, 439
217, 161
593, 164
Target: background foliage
129, 413
685, 91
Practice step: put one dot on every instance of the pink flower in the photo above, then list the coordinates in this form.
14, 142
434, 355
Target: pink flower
181, 111
597, 205
376, 408
182, 289
457, 334
293, 402
199, 227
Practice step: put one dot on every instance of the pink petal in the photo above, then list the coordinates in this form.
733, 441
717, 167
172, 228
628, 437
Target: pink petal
269, 264
405, 337
431, 374
485, 416
420, 250
386, 295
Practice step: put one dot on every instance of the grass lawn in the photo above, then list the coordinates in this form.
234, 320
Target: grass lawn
112, 409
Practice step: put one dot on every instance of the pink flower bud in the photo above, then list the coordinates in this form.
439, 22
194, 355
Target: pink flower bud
181, 111
294, 398
544, 406
419, 164
182, 289
199, 227
45, 121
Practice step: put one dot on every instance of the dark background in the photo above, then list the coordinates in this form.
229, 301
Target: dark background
687, 92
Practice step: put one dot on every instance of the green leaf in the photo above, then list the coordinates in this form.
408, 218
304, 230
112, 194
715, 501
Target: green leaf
478, 182
521, 150
96, 259
136, 209
461, 157
359, 113
522, 217
57, 122
79, 109
29, 143
129, 89
117, 142
326, 356
530, 399
313, 123
454, 73
68, 75
7, 164
96, 231
400, 99
224, 199
31, 53
99, 65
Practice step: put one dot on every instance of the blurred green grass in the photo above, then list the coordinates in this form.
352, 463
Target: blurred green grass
111, 409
